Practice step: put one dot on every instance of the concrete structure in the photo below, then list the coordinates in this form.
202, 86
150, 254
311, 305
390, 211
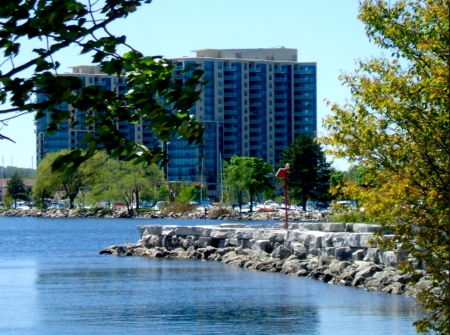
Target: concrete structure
255, 104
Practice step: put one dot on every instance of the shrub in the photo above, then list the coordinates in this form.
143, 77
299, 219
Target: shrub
215, 212
178, 207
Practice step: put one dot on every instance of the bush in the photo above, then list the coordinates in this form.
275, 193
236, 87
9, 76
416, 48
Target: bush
179, 207
349, 216
216, 212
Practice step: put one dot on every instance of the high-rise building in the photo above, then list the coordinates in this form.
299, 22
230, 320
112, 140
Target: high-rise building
255, 103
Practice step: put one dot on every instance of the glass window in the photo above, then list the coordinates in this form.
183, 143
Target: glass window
245, 66
270, 110
270, 77
220, 101
245, 110
245, 93
245, 75
219, 92
220, 110
245, 84
270, 67
270, 94
219, 83
91, 80
245, 119
270, 85
219, 74
245, 101
219, 65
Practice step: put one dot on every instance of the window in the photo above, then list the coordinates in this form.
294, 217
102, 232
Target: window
220, 101
270, 85
270, 110
219, 83
245, 84
270, 94
219, 74
270, 67
245, 110
219, 65
270, 77
91, 80
220, 110
270, 102
245, 119
245, 75
245, 66
245, 101
245, 93
219, 92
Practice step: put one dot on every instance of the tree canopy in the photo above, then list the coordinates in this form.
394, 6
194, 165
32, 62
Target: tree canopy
309, 172
48, 181
16, 189
154, 93
396, 128
249, 174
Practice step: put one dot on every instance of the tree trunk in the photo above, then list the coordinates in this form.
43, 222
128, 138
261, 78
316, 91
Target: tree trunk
251, 202
136, 193
304, 198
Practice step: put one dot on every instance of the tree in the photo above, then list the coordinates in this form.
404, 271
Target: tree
16, 189
396, 128
50, 181
309, 171
120, 181
54, 25
248, 173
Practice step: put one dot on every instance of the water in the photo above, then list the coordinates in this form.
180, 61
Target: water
53, 281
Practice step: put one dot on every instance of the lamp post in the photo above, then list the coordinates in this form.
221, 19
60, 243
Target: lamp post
283, 173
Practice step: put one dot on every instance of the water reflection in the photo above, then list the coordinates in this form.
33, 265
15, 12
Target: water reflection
55, 282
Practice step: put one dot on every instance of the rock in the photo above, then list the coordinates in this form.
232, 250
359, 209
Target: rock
343, 253
365, 228
333, 227
298, 250
281, 252
390, 259
372, 255
261, 245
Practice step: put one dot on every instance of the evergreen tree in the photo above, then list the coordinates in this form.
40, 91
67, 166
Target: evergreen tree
16, 189
309, 172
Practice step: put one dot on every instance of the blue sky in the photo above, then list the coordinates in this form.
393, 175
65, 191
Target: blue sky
324, 31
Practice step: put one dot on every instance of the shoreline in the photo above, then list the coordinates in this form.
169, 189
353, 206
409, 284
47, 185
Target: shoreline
321, 251
194, 215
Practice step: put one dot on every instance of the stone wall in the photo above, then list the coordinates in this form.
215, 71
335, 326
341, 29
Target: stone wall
345, 242
332, 252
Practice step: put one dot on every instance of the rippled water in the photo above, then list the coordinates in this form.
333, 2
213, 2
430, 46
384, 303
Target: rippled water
53, 281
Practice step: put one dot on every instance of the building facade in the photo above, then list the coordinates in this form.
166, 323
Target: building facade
255, 103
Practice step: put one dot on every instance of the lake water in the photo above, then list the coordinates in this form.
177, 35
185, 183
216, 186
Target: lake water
53, 281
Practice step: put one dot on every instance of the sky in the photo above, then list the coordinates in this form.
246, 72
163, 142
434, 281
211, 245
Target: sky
327, 32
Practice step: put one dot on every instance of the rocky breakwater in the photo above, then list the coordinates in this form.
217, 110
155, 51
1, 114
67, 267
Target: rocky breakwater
332, 252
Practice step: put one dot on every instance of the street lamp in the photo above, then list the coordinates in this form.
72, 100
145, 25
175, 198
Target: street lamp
283, 173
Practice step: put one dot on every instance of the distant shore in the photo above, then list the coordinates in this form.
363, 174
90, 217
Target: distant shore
195, 214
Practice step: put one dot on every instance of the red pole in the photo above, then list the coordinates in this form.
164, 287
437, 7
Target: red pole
286, 199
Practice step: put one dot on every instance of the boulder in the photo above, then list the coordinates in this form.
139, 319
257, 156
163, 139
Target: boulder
333, 227
281, 252
298, 250
343, 253
365, 228
261, 245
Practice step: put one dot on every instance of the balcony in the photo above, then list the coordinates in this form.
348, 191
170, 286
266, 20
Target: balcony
230, 103
280, 71
230, 86
281, 80
232, 147
304, 96
231, 111
230, 120
255, 129
255, 87
229, 68
255, 138
304, 71
230, 95
256, 96
256, 104
281, 96
230, 138
255, 78
230, 77
257, 121
254, 69
255, 147
280, 147
304, 80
